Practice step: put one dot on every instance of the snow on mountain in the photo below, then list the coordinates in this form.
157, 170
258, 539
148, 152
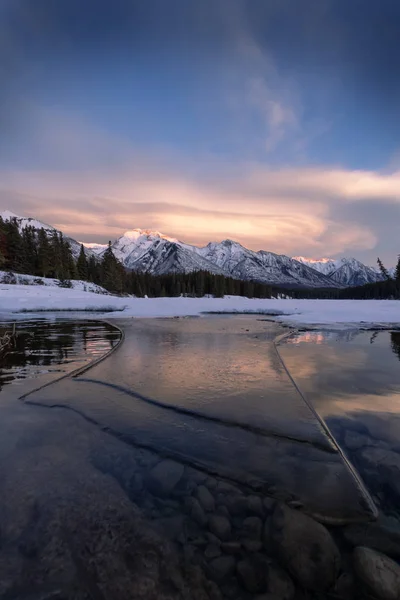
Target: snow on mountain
343, 271
155, 253
267, 267
322, 265
152, 252
96, 248
23, 222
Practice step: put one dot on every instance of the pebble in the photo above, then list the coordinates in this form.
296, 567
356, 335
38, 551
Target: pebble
205, 498
221, 568
251, 574
220, 526
255, 506
195, 511
251, 528
212, 551
269, 504
233, 547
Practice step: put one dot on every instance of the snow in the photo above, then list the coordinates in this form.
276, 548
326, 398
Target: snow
96, 248
23, 222
322, 313
32, 280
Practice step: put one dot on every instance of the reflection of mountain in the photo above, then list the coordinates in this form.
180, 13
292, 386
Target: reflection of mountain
395, 342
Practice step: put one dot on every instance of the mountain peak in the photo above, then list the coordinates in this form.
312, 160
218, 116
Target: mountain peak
7, 215
306, 260
135, 234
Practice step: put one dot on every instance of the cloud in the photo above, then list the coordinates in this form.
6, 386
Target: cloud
291, 211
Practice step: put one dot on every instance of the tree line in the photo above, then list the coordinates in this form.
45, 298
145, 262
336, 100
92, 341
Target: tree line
388, 288
45, 253
35, 252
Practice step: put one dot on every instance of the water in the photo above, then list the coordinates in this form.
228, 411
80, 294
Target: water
353, 380
45, 349
201, 403
214, 393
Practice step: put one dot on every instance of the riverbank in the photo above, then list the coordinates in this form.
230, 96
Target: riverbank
18, 300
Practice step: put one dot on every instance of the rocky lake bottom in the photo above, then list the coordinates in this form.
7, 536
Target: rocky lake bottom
84, 514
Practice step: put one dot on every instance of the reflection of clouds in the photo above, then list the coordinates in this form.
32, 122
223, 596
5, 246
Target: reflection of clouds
351, 381
308, 337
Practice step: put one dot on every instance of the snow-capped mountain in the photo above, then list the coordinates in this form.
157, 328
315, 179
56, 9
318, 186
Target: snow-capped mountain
267, 267
23, 222
322, 265
93, 247
344, 271
152, 252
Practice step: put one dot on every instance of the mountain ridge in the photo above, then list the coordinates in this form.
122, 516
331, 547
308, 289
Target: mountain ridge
153, 252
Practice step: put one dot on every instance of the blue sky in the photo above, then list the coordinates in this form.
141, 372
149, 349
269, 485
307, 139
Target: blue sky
273, 122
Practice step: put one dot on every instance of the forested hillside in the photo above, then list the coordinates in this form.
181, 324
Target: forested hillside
47, 254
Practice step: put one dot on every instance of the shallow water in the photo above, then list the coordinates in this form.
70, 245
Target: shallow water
211, 393
353, 380
44, 349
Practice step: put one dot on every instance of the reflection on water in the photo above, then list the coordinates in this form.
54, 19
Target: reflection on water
353, 380
84, 515
43, 347
213, 392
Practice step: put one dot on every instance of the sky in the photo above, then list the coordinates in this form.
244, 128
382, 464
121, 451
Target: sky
275, 123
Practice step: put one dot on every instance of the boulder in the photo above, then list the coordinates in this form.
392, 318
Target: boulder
205, 498
220, 526
164, 477
305, 548
379, 575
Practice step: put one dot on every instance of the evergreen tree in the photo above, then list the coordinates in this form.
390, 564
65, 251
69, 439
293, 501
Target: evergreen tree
111, 276
56, 264
397, 272
82, 265
15, 247
383, 269
43, 252
3, 244
30, 250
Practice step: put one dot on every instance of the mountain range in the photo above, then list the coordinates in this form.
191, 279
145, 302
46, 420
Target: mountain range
152, 252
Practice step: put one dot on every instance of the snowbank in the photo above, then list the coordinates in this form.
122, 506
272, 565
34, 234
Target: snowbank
23, 298
84, 286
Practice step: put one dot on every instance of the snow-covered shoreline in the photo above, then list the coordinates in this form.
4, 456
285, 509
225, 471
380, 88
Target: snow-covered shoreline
18, 300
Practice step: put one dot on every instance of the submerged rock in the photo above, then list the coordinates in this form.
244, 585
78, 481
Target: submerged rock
205, 498
379, 574
195, 511
221, 568
259, 574
382, 535
220, 526
305, 547
163, 478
